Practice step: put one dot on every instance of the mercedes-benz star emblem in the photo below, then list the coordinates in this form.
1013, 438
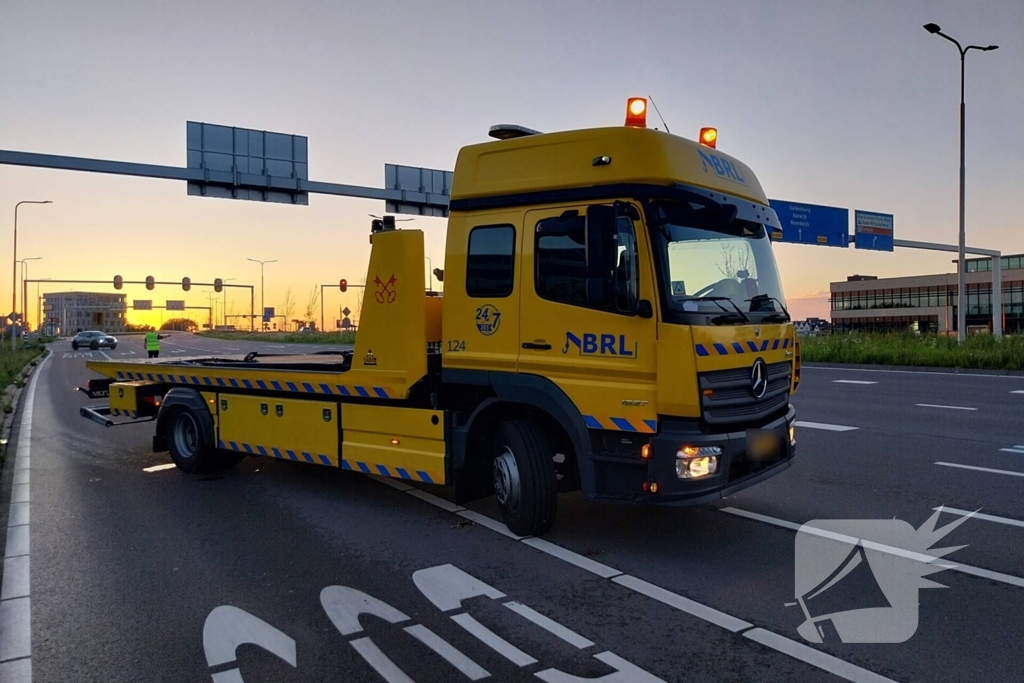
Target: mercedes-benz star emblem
759, 379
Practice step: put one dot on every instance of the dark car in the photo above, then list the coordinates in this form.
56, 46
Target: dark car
94, 340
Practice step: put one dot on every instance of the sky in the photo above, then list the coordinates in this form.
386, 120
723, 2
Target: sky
836, 102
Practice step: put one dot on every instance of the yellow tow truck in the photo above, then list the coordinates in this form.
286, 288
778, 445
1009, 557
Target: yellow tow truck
612, 321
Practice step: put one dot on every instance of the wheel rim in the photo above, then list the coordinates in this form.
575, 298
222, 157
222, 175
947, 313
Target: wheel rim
186, 435
507, 486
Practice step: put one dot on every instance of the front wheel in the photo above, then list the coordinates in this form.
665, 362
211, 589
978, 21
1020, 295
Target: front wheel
524, 477
74, 346
113, 346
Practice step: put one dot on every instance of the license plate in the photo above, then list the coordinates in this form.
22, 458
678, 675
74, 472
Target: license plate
762, 444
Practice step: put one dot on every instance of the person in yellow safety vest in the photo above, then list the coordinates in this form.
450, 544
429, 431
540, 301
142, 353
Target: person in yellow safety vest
153, 344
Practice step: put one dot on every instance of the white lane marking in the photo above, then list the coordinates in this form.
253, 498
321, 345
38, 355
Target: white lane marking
178, 351
16, 577
814, 657
158, 468
393, 483
272, 346
467, 666
434, 500
851, 381
344, 605
549, 625
493, 640
127, 353
933, 405
602, 570
900, 552
987, 518
380, 662
805, 366
226, 627
981, 469
625, 672
18, 542
106, 356
15, 593
678, 599
823, 425
447, 586
682, 604
492, 524
1018, 391
1016, 449
15, 629
231, 348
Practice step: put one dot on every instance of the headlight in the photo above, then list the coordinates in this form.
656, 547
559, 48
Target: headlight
694, 462
792, 435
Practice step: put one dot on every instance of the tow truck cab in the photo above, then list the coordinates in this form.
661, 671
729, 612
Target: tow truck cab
612, 320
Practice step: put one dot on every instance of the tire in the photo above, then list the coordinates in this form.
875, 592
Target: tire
524, 477
74, 346
113, 346
189, 450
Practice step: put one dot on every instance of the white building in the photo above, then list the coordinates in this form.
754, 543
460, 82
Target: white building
66, 313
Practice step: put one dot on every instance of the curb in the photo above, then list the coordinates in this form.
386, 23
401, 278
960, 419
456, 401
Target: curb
916, 368
13, 391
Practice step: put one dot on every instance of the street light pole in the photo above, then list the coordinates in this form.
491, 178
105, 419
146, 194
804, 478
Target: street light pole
224, 304
24, 287
961, 283
430, 273
263, 292
14, 294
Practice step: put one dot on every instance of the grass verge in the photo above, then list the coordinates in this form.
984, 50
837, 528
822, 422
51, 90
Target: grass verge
286, 337
980, 352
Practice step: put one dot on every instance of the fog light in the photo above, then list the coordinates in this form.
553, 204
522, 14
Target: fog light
792, 435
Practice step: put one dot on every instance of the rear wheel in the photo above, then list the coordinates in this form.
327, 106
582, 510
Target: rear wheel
74, 346
113, 346
524, 477
190, 450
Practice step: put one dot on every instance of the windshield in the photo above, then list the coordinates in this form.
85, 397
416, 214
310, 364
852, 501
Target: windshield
716, 268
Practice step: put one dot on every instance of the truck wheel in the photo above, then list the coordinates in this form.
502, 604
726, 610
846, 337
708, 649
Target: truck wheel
524, 477
189, 451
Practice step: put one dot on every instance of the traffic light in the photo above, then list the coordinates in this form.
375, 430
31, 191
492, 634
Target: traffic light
186, 283
218, 285
150, 282
709, 137
343, 285
118, 282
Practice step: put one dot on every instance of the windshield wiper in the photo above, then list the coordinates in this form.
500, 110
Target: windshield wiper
773, 316
738, 316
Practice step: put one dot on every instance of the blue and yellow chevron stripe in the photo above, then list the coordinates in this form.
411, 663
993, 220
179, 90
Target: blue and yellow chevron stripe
735, 348
621, 424
117, 412
321, 459
344, 390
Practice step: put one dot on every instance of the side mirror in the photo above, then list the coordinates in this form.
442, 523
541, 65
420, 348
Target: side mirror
644, 309
602, 227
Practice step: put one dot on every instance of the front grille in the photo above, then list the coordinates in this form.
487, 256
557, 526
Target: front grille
731, 400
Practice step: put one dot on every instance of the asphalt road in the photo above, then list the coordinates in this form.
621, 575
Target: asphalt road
136, 575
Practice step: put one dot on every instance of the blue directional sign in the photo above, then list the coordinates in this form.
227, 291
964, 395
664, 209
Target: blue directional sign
268, 313
812, 224
872, 230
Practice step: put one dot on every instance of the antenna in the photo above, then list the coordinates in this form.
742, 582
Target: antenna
659, 113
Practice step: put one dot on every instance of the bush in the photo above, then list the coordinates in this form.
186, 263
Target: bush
285, 337
930, 350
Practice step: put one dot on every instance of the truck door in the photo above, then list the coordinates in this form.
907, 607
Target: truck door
586, 286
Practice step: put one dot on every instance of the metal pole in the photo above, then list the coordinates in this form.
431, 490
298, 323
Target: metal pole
961, 284
997, 296
430, 273
321, 308
14, 285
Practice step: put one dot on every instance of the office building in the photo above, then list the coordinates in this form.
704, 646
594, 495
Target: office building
928, 303
66, 313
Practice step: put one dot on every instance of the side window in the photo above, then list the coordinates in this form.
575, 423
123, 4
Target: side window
604, 276
490, 263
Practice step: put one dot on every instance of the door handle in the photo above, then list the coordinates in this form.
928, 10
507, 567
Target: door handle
537, 346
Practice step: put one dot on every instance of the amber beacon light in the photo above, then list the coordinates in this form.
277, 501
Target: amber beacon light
709, 137
636, 112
